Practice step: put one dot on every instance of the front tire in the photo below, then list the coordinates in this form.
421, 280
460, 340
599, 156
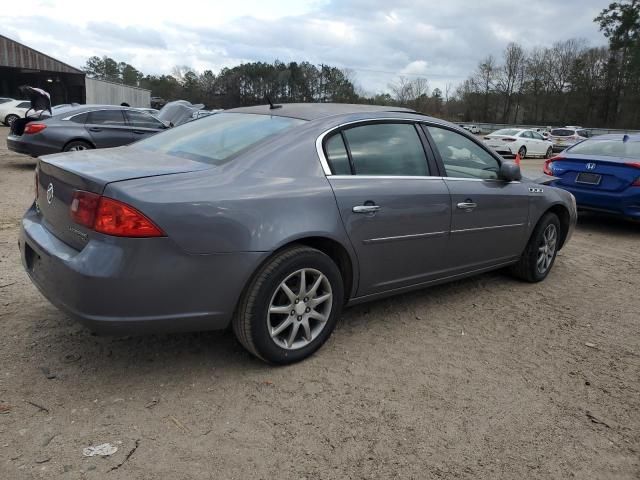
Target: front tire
291, 306
540, 253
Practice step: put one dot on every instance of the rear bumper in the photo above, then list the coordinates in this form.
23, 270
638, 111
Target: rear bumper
31, 147
625, 203
134, 286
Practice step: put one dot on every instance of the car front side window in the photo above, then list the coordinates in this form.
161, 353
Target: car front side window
462, 157
143, 120
389, 149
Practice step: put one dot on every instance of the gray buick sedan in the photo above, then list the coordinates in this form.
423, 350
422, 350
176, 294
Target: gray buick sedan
272, 218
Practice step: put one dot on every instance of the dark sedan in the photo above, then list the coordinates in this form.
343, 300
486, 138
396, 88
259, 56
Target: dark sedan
270, 219
82, 128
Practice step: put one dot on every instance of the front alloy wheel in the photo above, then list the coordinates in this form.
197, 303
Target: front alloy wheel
547, 249
540, 253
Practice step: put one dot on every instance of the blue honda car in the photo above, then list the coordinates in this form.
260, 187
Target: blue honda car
603, 173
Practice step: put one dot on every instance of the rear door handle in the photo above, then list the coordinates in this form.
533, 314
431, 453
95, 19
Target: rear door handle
139, 132
366, 208
467, 205
95, 129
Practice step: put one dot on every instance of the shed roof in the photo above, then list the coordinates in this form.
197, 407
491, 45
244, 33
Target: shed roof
15, 54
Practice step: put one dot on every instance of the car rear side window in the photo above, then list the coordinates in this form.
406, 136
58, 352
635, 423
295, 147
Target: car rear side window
106, 117
80, 118
462, 157
142, 120
24, 105
386, 149
217, 138
337, 155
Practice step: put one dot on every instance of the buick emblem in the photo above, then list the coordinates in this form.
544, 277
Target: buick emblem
50, 193
591, 166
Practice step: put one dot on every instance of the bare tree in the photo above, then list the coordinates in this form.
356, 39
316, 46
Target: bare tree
510, 73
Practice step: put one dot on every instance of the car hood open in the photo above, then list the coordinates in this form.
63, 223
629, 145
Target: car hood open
178, 112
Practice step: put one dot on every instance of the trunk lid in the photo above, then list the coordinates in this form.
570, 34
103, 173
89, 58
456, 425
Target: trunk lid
614, 175
92, 170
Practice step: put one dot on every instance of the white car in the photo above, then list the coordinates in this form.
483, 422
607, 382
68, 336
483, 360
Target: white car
562, 137
12, 110
511, 141
473, 129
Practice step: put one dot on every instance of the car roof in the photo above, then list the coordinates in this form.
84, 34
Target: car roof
314, 111
632, 137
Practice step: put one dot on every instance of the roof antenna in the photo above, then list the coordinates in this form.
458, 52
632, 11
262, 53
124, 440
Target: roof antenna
271, 105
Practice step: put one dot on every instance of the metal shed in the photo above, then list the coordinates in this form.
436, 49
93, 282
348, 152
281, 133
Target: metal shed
22, 65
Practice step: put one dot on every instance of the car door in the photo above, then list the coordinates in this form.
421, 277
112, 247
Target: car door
142, 124
527, 141
396, 214
107, 128
489, 216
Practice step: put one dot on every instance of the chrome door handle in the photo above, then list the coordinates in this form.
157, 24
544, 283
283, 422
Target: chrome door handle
467, 205
366, 208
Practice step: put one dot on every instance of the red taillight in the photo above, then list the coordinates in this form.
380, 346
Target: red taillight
83, 208
32, 128
111, 217
633, 164
119, 219
546, 169
508, 139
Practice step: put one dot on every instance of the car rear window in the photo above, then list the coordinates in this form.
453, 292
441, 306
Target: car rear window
217, 138
507, 131
608, 148
562, 132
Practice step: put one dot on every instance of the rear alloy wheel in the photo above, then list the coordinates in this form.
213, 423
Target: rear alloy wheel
291, 306
10, 119
540, 253
522, 152
549, 152
77, 146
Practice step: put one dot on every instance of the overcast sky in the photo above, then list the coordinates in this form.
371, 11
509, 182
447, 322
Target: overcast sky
377, 39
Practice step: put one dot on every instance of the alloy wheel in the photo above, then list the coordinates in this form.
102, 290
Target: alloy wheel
547, 248
299, 309
77, 148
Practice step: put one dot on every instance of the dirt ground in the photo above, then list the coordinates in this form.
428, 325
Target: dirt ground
483, 378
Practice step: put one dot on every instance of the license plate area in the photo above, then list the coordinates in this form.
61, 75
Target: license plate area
589, 178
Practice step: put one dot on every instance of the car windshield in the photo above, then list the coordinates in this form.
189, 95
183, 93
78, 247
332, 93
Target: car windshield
507, 131
608, 148
216, 138
562, 132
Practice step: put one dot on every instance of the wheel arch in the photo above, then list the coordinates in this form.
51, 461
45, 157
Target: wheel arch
78, 139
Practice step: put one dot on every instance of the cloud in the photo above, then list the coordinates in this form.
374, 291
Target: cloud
377, 40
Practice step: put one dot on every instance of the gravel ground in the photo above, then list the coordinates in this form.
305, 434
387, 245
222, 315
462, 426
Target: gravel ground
482, 378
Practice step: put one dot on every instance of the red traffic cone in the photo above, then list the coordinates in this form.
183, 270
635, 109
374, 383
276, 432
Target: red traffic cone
517, 159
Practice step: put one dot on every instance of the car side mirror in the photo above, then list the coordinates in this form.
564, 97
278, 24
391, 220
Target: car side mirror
510, 172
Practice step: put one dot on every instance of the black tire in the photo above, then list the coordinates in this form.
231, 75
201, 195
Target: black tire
549, 152
250, 322
9, 119
77, 145
522, 152
527, 267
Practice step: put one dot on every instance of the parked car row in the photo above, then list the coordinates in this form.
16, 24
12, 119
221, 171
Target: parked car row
72, 127
521, 141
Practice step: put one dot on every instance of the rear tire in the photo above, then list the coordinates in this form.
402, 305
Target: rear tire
77, 145
9, 119
549, 152
540, 253
282, 319
523, 152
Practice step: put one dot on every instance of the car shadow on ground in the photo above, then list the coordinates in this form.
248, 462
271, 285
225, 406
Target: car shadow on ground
165, 354
607, 224
27, 165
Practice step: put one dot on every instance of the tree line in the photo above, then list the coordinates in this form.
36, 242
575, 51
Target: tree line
566, 83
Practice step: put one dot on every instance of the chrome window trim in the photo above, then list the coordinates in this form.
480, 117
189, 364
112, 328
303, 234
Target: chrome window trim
320, 140
98, 110
329, 174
